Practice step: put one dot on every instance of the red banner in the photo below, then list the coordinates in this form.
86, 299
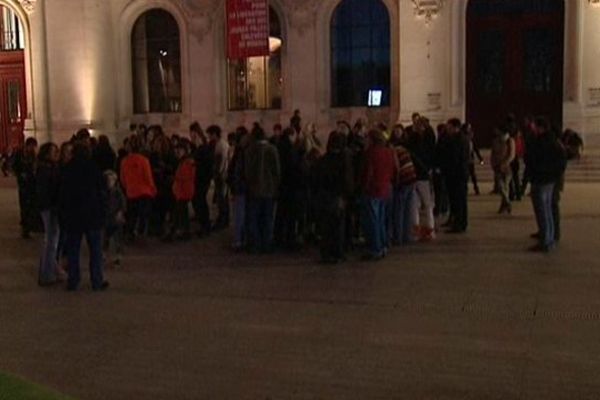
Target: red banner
247, 28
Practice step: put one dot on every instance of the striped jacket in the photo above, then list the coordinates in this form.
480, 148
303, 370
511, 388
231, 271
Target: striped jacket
407, 174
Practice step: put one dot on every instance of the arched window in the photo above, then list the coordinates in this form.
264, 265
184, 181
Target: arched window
156, 63
360, 54
256, 82
13, 35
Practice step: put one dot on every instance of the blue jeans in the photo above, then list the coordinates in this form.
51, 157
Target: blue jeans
260, 223
403, 222
541, 196
94, 242
48, 261
375, 225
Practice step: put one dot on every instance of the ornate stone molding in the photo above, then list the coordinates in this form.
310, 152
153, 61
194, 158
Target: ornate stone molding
28, 5
428, 9
203, 16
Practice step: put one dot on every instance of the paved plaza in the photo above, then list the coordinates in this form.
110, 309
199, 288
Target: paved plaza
466, 317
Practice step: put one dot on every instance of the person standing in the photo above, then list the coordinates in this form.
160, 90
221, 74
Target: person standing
546, 162
262, 175
82, 214
47, 184
503, 154
404, 190
24, 167
104, 155
204, 158
457, 176
116, 207
333, 183
379, 171
421, 144
138, 183
183, 191
474, 154
220, 151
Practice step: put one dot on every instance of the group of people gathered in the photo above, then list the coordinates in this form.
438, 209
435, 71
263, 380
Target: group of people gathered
367, 187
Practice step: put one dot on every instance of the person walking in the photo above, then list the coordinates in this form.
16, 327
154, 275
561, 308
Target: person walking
24, 168
47, 185
82, 214
474, 156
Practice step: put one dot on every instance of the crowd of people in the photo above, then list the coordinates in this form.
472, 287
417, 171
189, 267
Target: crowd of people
365, 187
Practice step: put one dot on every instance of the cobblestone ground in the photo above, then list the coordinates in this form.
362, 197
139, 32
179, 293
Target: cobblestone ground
473, 317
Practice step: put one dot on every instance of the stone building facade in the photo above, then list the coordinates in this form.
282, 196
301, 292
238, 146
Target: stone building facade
78, 64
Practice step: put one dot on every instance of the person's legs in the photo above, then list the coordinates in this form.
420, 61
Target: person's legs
473, 176
133, 211
145, 205
405, 221
536, 201
201, 207
73, 255
556, 194
418, 203
94, 242
382, 207
267, 214
48, 262
239, 202
547, 195
502, 183
253, 231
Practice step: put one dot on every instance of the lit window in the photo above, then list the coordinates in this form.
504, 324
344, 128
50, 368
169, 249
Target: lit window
256, 82
360, 53
12, 31
156, 63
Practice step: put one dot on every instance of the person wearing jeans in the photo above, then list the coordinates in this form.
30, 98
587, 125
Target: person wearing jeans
262, 175
546, 161
47, 184
82, 210
379, 172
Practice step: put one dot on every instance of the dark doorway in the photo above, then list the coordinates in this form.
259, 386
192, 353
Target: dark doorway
515, 53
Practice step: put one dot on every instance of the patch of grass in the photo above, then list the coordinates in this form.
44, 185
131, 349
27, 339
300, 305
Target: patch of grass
13, 388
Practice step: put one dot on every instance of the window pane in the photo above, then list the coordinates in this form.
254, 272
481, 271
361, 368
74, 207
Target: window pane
360, 52
491, 53
540, 60
12, 31
156, 63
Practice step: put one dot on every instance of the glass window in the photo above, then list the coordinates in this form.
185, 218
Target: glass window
256, 82
360, 52
12, 31
491, 8
156, 63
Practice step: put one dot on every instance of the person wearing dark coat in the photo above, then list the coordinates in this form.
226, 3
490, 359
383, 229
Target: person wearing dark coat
546, 161
334, 184
456, 170
47, 184
203, 155
24, 168
82, 213
104, 155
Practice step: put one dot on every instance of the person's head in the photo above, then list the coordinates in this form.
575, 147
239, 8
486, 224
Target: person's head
232, 139
111, 179
81, 150
415, 118
258, 133
66, 152
296, 113
336, 142
441, 130
196, 133
344, 128
31, 146
453, 126
277, 129
181, 151
467, 129
83, 134
541, 126
49, 153
397, 133
376, 138
161, 146
133, 128
103, 141
135, 144
214, 132
289, 132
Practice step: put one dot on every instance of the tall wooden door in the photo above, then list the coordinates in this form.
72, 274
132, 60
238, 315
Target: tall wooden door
13, 101
515, 53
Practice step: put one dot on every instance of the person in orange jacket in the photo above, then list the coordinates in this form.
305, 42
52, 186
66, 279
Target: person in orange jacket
184, 189
140, 190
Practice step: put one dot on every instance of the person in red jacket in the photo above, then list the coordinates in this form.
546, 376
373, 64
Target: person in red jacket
183, 191
380, 169
140, 190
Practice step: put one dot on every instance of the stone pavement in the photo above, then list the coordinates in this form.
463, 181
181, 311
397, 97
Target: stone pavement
473, 317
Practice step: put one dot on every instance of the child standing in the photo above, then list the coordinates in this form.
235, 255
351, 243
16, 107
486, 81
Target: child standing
115, 219
183, 191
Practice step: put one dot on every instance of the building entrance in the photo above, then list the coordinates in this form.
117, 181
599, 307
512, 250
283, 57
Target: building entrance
13, 101
515, 53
